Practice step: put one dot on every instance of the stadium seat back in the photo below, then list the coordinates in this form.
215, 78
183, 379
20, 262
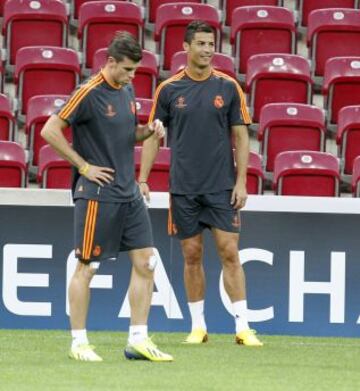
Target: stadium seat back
341, 27
273, 78
348, 136
255, 175
306, 173
171, 22
45, 70
290, 127
40, 108
100, 20
305, 7
159, 176
54, 172
153, 5
261, 29
76, 7
341, 85
25, 22
143, 109
222, 62
7, 119
230, 5
12, 165
356, 177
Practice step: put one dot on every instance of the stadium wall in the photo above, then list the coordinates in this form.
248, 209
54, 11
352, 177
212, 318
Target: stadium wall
301, 256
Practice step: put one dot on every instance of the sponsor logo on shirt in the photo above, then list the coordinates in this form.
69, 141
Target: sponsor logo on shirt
218, 101
110, 111
97, 251
180, 103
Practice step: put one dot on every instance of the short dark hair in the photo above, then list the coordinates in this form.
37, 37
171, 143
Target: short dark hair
124, 45
197, 26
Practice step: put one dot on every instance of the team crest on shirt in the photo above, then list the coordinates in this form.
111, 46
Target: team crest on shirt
97, 251
110, 112
218, 101
132, 107
180, 102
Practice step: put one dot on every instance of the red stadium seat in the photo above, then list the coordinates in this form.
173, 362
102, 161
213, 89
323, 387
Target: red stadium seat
171, 21
7, 119
305, 7
348, 137
159, 176
341, 27
33, 23
290, 127
146, 74
306, 173
151, 7
261, 29
341, 86
76, 4
100, 20
40, 107
221, 62
54, 171
143, 109
230, 5
12, 165
255, 175
275, 78
45, 70
356, 177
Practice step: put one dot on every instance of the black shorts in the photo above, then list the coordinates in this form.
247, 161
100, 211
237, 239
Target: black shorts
191, 214
103, 229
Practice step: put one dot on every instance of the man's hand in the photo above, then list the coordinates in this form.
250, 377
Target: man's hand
157, 127
99, 175
145, 190
239, 196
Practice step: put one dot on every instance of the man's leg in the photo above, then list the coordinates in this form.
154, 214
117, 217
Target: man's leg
194, 279
234, 283
79, 298
140, 294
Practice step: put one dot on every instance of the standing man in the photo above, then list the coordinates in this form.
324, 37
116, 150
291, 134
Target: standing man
110, 214
204, 110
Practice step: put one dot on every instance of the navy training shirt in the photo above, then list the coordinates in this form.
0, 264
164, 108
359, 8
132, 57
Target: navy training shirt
199, 116
103, 120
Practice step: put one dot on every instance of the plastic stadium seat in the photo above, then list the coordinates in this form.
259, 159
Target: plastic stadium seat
33, 23
7, 119
146, 74
151, 7
143, 109
230, 5
171, 21
54, 171
341, 27
255, 175
356, 177
76, 4
275, 78
40, 108
348, 136
100, 20
45, 70
261, 29
290, 127
12, 165
306, 173
220, 61
341, 86
305, 7
159, 176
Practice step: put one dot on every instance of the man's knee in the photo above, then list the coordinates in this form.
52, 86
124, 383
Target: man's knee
145, 263
192, 251
86, 271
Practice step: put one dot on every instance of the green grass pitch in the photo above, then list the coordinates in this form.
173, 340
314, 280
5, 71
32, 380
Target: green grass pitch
37, 360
